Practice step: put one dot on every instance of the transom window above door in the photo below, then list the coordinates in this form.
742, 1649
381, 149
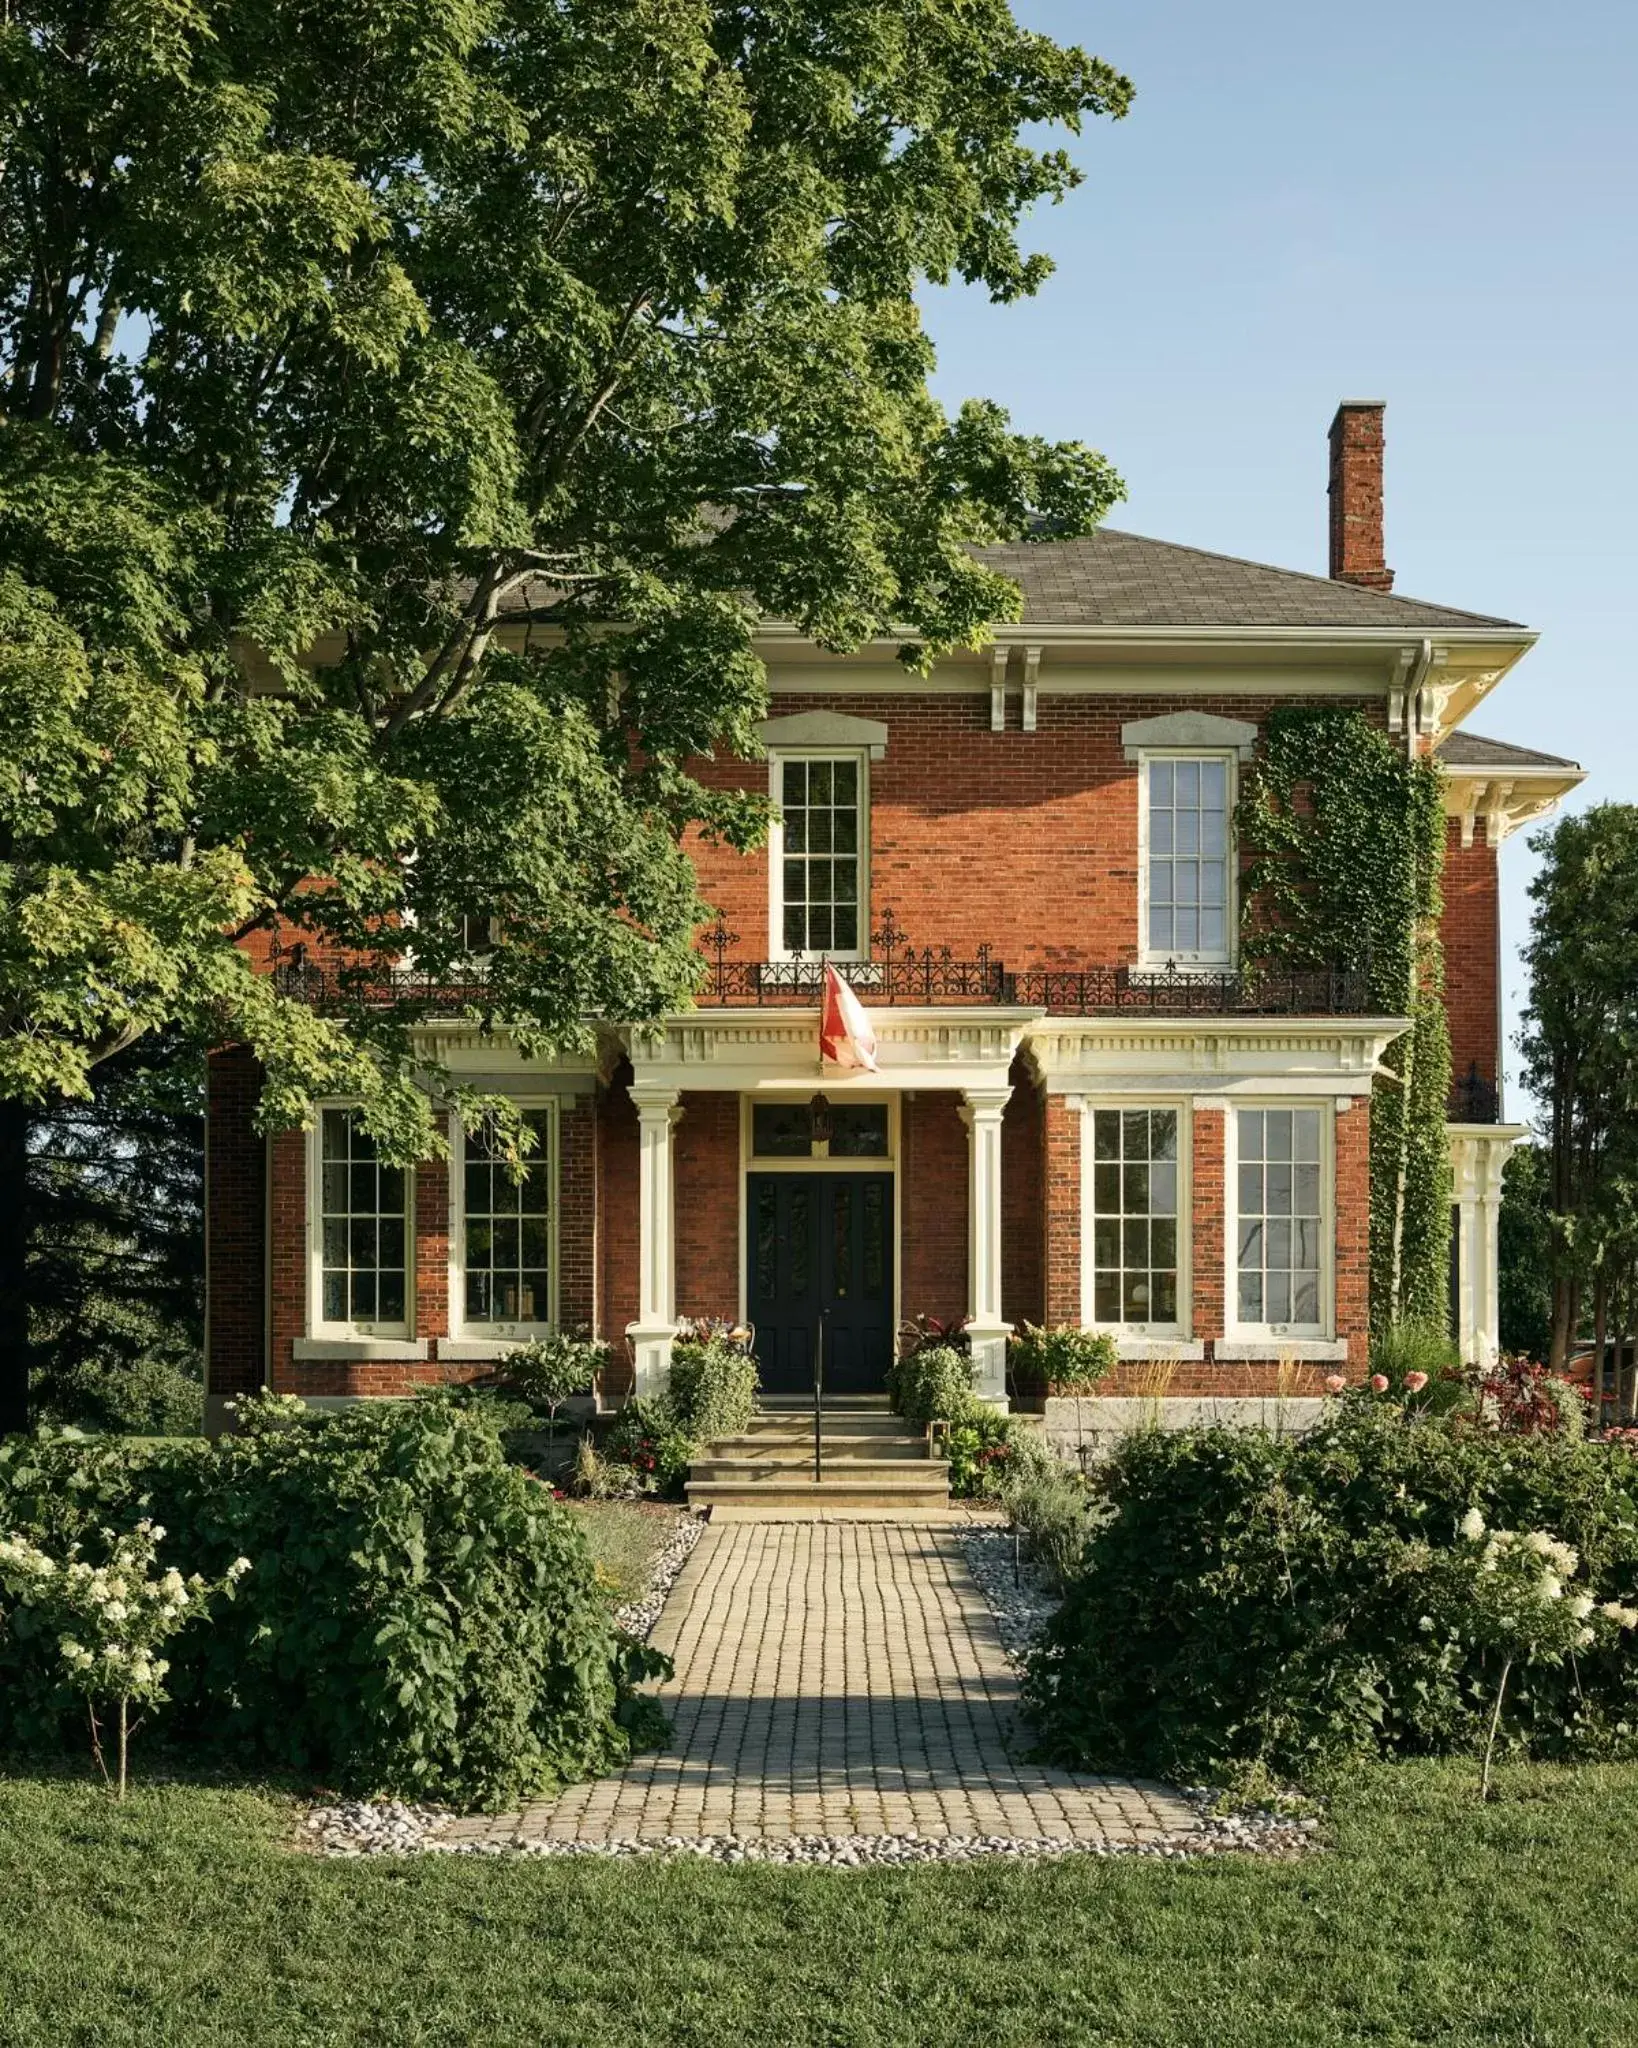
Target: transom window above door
819, 1130
818, 854
1187, 897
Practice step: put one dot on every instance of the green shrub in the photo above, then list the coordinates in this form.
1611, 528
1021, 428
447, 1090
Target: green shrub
645, 1440
420, 1617
979, 1446
551, 1370
1054, 1507
1062, 1359
1258, 1599
933, 1384
148, 1396
712, 1392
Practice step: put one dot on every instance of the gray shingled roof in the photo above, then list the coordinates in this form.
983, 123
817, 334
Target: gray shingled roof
1121, 579
1472, 750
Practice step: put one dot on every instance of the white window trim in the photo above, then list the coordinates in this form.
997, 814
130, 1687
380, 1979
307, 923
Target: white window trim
504, 1332
1181, 1331
1220, 962
317, 1326
1272, 1335
777, 949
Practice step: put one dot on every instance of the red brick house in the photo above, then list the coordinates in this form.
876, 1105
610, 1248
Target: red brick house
1025, 866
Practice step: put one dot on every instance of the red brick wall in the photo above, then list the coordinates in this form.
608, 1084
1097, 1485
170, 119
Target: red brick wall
706, 1145
235, 1223
577, 1214
1061, 1248
1206, 1198
287, 1232
933, 1197
1471, 930
1023, 1211
1024, 841
431, 1223
1353, 1253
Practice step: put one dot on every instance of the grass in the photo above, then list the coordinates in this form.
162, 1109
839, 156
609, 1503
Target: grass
625, 1537
181, 1919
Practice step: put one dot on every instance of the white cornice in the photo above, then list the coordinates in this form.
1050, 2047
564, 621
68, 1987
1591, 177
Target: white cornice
1227, 1055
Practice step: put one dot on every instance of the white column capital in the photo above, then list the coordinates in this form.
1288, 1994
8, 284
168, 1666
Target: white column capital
983, 1105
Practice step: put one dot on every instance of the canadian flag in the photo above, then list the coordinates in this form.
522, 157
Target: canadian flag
845, 1036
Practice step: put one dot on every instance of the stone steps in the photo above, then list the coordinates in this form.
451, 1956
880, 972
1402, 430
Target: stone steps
869, 1461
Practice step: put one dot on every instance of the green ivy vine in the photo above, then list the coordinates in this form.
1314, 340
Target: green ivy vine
1346, 839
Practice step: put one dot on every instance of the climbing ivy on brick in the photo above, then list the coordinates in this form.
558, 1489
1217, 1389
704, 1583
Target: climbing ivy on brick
1346, 840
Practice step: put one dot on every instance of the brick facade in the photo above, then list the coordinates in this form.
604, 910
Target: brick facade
1025, 841
1471, 931
933, 1205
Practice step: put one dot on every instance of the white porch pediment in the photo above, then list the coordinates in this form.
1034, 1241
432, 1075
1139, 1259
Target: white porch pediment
1221, 1055
769, 1049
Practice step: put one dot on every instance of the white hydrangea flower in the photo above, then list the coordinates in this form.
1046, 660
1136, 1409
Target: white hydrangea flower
1471, 1525
1581, 1606
1623, 1617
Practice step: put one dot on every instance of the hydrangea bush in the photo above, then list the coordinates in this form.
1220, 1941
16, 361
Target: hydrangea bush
111, 1621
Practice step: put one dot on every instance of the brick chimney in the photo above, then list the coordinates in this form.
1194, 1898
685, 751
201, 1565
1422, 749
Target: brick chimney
1356, 495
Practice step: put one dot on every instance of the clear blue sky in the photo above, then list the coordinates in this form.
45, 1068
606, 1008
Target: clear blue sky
1435, 204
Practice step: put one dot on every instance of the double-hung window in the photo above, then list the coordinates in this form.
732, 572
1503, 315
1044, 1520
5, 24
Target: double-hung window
363, 1232
1187, 896
1134, 1265
818, 854
507, 1276
1281, 1238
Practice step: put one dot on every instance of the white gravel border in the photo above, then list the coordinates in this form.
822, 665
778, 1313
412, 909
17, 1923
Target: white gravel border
638, 1617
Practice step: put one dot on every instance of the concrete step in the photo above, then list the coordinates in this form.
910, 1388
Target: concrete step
844, 1422
834, 1404
919, 1473
839, 1492
797, 1447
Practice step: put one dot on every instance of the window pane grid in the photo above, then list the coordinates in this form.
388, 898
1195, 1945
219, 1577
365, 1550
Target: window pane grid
508, 1226
362, 1220
1134, 1216
820, 875
1188, 857
1280, 1216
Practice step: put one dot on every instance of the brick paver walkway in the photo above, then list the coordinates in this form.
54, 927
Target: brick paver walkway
837, 1679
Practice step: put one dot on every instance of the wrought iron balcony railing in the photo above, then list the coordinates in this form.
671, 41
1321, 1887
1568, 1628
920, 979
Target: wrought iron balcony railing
900, 974
1474, 1100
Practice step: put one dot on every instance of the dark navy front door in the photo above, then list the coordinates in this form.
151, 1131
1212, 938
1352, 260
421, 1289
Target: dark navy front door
821, 1241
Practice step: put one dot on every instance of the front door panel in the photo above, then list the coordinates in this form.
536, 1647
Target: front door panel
821, 1241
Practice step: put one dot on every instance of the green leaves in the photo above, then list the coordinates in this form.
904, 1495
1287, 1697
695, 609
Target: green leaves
413, 408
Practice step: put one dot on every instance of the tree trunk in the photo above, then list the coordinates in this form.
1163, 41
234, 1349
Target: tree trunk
15, 1350
1601, 1330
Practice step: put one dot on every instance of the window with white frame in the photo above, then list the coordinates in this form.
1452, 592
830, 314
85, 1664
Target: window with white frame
820, 903
1280, 1222
363, 1230
1134, 1218
1187, 876
507, 1230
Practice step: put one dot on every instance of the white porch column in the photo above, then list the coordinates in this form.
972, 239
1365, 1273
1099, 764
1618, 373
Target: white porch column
1478, 1153
981, 1113
656, 1323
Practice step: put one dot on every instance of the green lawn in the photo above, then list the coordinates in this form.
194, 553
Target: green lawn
182, 1919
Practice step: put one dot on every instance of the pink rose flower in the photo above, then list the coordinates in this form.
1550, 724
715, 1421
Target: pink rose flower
1379, 1383
1334, 1383
1415, 1382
